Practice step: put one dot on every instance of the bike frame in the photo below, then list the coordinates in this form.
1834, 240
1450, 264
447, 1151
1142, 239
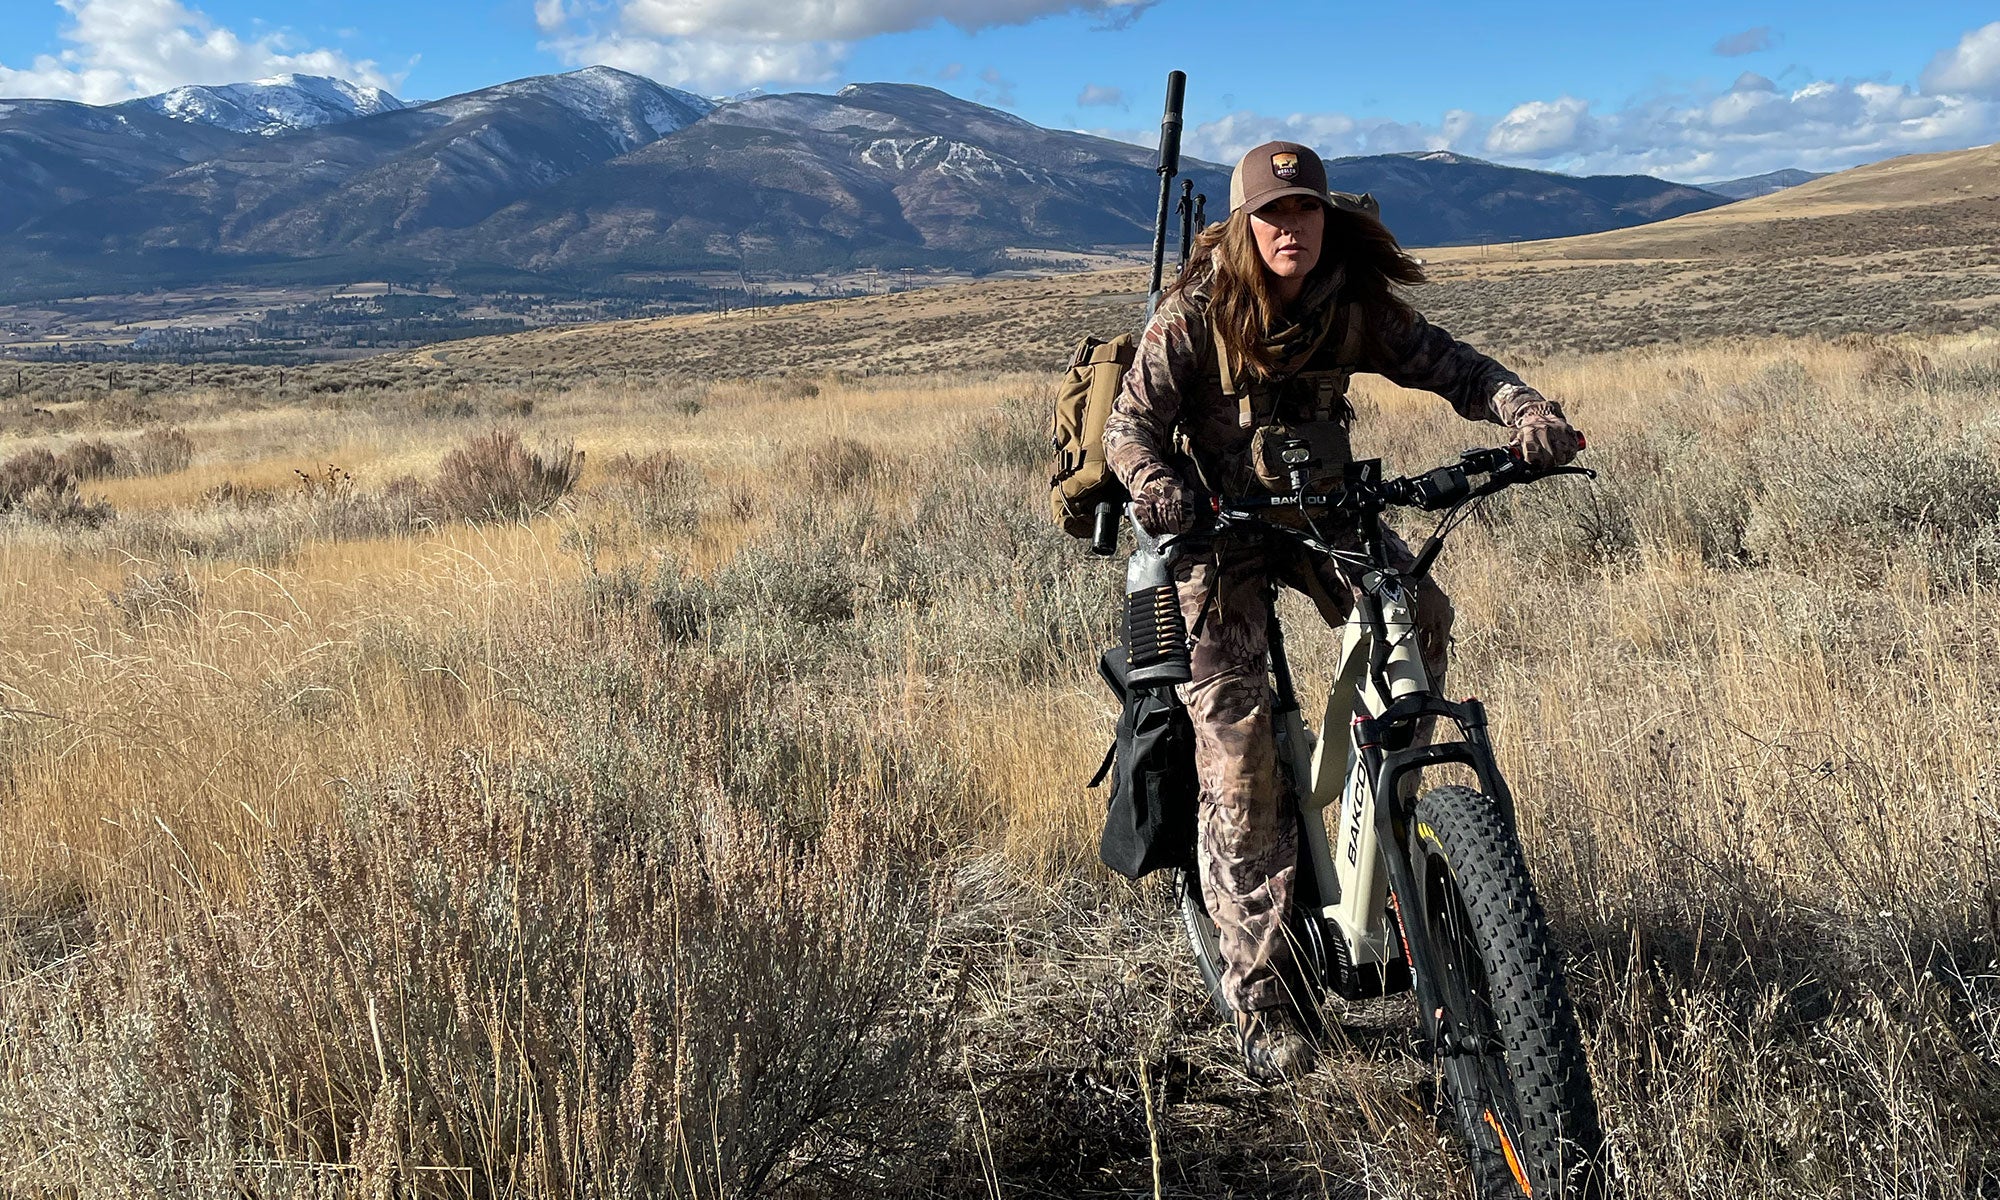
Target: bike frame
1376, 906
1353, 874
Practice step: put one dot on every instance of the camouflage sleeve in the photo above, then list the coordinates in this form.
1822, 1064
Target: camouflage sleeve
1413, 353
1139, 434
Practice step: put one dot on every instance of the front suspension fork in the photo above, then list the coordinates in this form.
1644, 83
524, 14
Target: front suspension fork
1393, 815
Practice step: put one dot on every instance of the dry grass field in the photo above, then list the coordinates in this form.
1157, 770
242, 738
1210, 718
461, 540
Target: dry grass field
425, 780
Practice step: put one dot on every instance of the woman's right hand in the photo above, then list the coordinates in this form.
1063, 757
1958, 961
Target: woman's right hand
1166, 506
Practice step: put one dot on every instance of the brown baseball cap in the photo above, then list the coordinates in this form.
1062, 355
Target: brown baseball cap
1275, 170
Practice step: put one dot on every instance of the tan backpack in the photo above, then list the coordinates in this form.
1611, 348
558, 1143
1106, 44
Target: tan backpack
1082, 480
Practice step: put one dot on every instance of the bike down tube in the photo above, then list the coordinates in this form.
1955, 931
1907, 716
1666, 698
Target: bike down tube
1344, 857
1383, 670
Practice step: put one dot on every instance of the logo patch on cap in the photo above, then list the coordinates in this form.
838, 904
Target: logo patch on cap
1285, 165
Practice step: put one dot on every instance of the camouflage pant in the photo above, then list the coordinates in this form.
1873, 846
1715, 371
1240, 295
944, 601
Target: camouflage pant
1247, 853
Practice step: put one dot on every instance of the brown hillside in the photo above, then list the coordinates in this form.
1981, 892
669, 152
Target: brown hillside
1951, 198
1907, 245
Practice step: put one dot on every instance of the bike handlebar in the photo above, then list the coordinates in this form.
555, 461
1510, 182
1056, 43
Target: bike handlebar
1363, 494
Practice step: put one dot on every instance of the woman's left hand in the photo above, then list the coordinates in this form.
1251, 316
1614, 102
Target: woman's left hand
1547, 439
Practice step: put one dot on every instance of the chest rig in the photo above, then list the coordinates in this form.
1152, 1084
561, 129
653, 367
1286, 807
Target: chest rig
1308, 406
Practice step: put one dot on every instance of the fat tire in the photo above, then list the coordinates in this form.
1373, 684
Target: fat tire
1464, 850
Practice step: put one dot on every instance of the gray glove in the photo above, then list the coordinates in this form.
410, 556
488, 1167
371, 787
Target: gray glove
1166, 506
1545, 437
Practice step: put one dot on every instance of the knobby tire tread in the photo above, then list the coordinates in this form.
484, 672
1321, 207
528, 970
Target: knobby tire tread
1560, 1133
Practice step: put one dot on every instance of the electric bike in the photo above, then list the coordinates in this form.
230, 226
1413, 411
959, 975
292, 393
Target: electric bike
1400, 891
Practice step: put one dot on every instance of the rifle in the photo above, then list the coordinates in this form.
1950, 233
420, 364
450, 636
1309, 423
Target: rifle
1104, 534
1156, 640
1170, 166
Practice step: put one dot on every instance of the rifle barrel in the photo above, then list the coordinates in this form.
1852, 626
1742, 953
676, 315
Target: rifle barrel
1170, 166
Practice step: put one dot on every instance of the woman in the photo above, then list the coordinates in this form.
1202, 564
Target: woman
1251, 348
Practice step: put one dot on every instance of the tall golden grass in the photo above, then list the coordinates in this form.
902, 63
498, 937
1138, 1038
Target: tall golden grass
721, 829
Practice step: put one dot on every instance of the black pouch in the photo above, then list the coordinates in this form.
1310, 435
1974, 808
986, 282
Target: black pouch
1150, 820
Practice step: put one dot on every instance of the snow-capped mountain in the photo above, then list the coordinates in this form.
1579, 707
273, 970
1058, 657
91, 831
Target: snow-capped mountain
632, 110
280, 104
406, 178
598, 170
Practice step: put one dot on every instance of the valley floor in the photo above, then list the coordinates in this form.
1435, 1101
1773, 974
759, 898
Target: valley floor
393, 805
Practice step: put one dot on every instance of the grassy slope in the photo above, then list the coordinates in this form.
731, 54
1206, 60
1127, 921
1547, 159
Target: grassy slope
410, 839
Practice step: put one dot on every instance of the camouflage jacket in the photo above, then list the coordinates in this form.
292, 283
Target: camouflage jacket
1175, 383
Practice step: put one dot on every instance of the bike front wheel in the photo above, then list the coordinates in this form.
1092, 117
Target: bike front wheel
1513, 1059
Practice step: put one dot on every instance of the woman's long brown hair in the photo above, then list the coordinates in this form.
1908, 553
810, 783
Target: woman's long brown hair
1243, 304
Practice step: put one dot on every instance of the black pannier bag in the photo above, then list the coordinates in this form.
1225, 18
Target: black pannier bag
1150, 821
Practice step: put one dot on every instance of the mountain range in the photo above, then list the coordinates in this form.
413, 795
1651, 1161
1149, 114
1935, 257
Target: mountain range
598, 176
1752, 186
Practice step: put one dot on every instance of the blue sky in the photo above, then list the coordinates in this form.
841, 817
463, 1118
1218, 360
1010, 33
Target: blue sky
1694, 90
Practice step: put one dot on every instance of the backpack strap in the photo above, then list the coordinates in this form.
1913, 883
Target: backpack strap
1227, 376
1104, 768
1245, 397
1350, 338
1330, 387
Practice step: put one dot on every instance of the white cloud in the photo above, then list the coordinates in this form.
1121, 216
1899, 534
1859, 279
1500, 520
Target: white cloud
1971, 68
1752, 127
842, 20
1093, 95
1543, 129
724, 45
119, 49
706, 65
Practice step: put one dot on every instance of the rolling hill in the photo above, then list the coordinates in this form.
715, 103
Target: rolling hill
1917, 200
1873, 272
